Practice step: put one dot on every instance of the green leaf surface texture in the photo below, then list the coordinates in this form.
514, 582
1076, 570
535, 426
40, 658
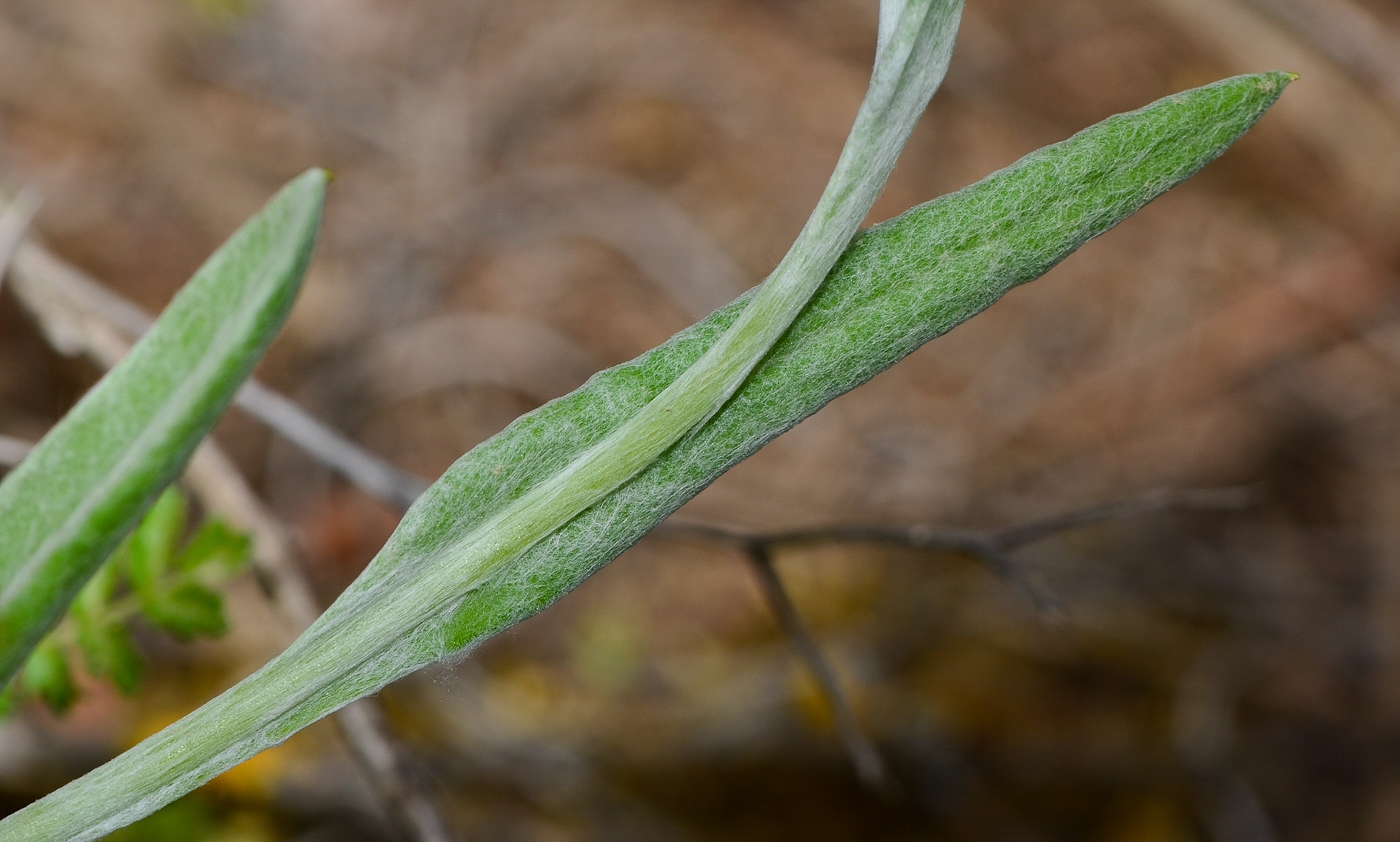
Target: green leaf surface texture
65, 507
898, 285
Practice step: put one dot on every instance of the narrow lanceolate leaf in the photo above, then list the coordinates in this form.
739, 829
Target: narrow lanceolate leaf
898, 285
66, 507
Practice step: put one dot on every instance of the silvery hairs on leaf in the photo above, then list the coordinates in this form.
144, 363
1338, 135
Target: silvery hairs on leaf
897, 286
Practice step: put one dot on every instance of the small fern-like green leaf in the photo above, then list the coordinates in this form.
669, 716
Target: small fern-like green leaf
110, 653
145, 577
216, 547
187, 611
151, 548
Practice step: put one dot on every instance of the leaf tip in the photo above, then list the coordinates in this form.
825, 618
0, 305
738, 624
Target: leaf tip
312, 182
1276, 80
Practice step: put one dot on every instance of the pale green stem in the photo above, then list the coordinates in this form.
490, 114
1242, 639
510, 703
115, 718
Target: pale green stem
907, 71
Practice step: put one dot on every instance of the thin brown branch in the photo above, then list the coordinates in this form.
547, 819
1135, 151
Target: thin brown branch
1152, 502
993, 548
987, 548
870, 766
74, 309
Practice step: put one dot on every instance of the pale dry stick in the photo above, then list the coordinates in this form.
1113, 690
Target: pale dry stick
1350, 37
13, 451
220, 486
44, 282
14, 222
217, 482
366, 471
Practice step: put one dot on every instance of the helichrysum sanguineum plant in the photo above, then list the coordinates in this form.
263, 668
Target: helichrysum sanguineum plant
523, 518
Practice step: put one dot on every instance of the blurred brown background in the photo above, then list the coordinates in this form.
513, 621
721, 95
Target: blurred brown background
527, 191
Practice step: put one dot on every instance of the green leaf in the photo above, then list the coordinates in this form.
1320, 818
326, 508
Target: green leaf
897, 286
187, 611
151, 548
109, 653
46, 675
65, 508
96, 596
217, 547
167, 591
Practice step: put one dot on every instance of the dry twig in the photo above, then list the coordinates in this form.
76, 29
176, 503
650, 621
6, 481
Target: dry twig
992, 548
79, 315
14, 222
869, 765
13, 451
